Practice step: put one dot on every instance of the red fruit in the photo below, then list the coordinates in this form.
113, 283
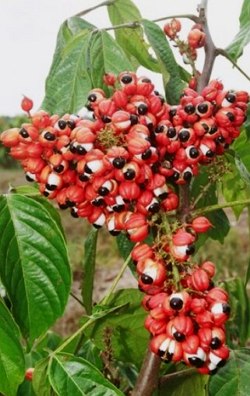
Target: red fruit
172, 28
200, 280
151, 272
196, 38
26, 104
109, 79
29, 373
142, 251
216, 294
10, 137
209, 267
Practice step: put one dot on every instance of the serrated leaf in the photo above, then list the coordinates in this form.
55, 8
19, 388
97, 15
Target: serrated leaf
82, 56
70, 375
235, 49
190, 384
34, 265
233, 378
169, 68
129, 338
239, 319
89, 269
11, 354
131, 39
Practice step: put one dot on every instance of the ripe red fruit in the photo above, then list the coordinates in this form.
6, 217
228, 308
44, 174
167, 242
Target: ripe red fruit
29, 373
26, 104
196, 38
201, 224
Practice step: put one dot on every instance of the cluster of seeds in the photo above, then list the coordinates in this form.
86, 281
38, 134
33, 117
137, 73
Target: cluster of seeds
118, 166
187, 313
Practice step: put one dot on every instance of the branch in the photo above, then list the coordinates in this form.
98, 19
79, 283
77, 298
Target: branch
220, 51
104, 3
147, 380
210, 49
212, 208
193, 18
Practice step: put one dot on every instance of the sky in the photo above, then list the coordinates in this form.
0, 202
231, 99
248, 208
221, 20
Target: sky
29, 28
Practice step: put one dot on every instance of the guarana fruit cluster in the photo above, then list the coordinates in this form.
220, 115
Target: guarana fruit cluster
119, 167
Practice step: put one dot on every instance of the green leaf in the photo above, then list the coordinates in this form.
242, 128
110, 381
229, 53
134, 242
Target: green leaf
125, 247
247, 274
40, 380
233, 186
233, 378
129, 338
238, 322
70, 375
11, 354
104, 56
34, 265
235, 49
89, 269
25, 190
131, 39
169, 68
82, 56
189, 384
206, 191
92, 354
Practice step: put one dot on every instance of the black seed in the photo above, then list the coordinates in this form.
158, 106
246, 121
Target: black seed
189, 109
97, 226
71, 124
129, 174
146, 80
205, 127
184, 135
127, 79
230, 116
213, 130
51, 187
155, 167
49, 136
202, 108
190, 249
215, 343
119, 162
133, 119
163, 195
196, 362
220, 139
72, 148
58, 168
175, 176
118, 208
221, 363
83, 177
63, 206
226, 308
142, 109
172, 112
73, 213
103, 191
210, 154
169, 356
179, 336
176, 303
98, 202
231, 97
29, 178
46, 193
147, 154
212, 372
154, 208
62, 124
159, 129
114, 232
187, 176
146, 279
89, 107
194, 152
24, 133
106, 119
92, 97
70, 204
161, 353
171, 133
80, 150
87, 169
